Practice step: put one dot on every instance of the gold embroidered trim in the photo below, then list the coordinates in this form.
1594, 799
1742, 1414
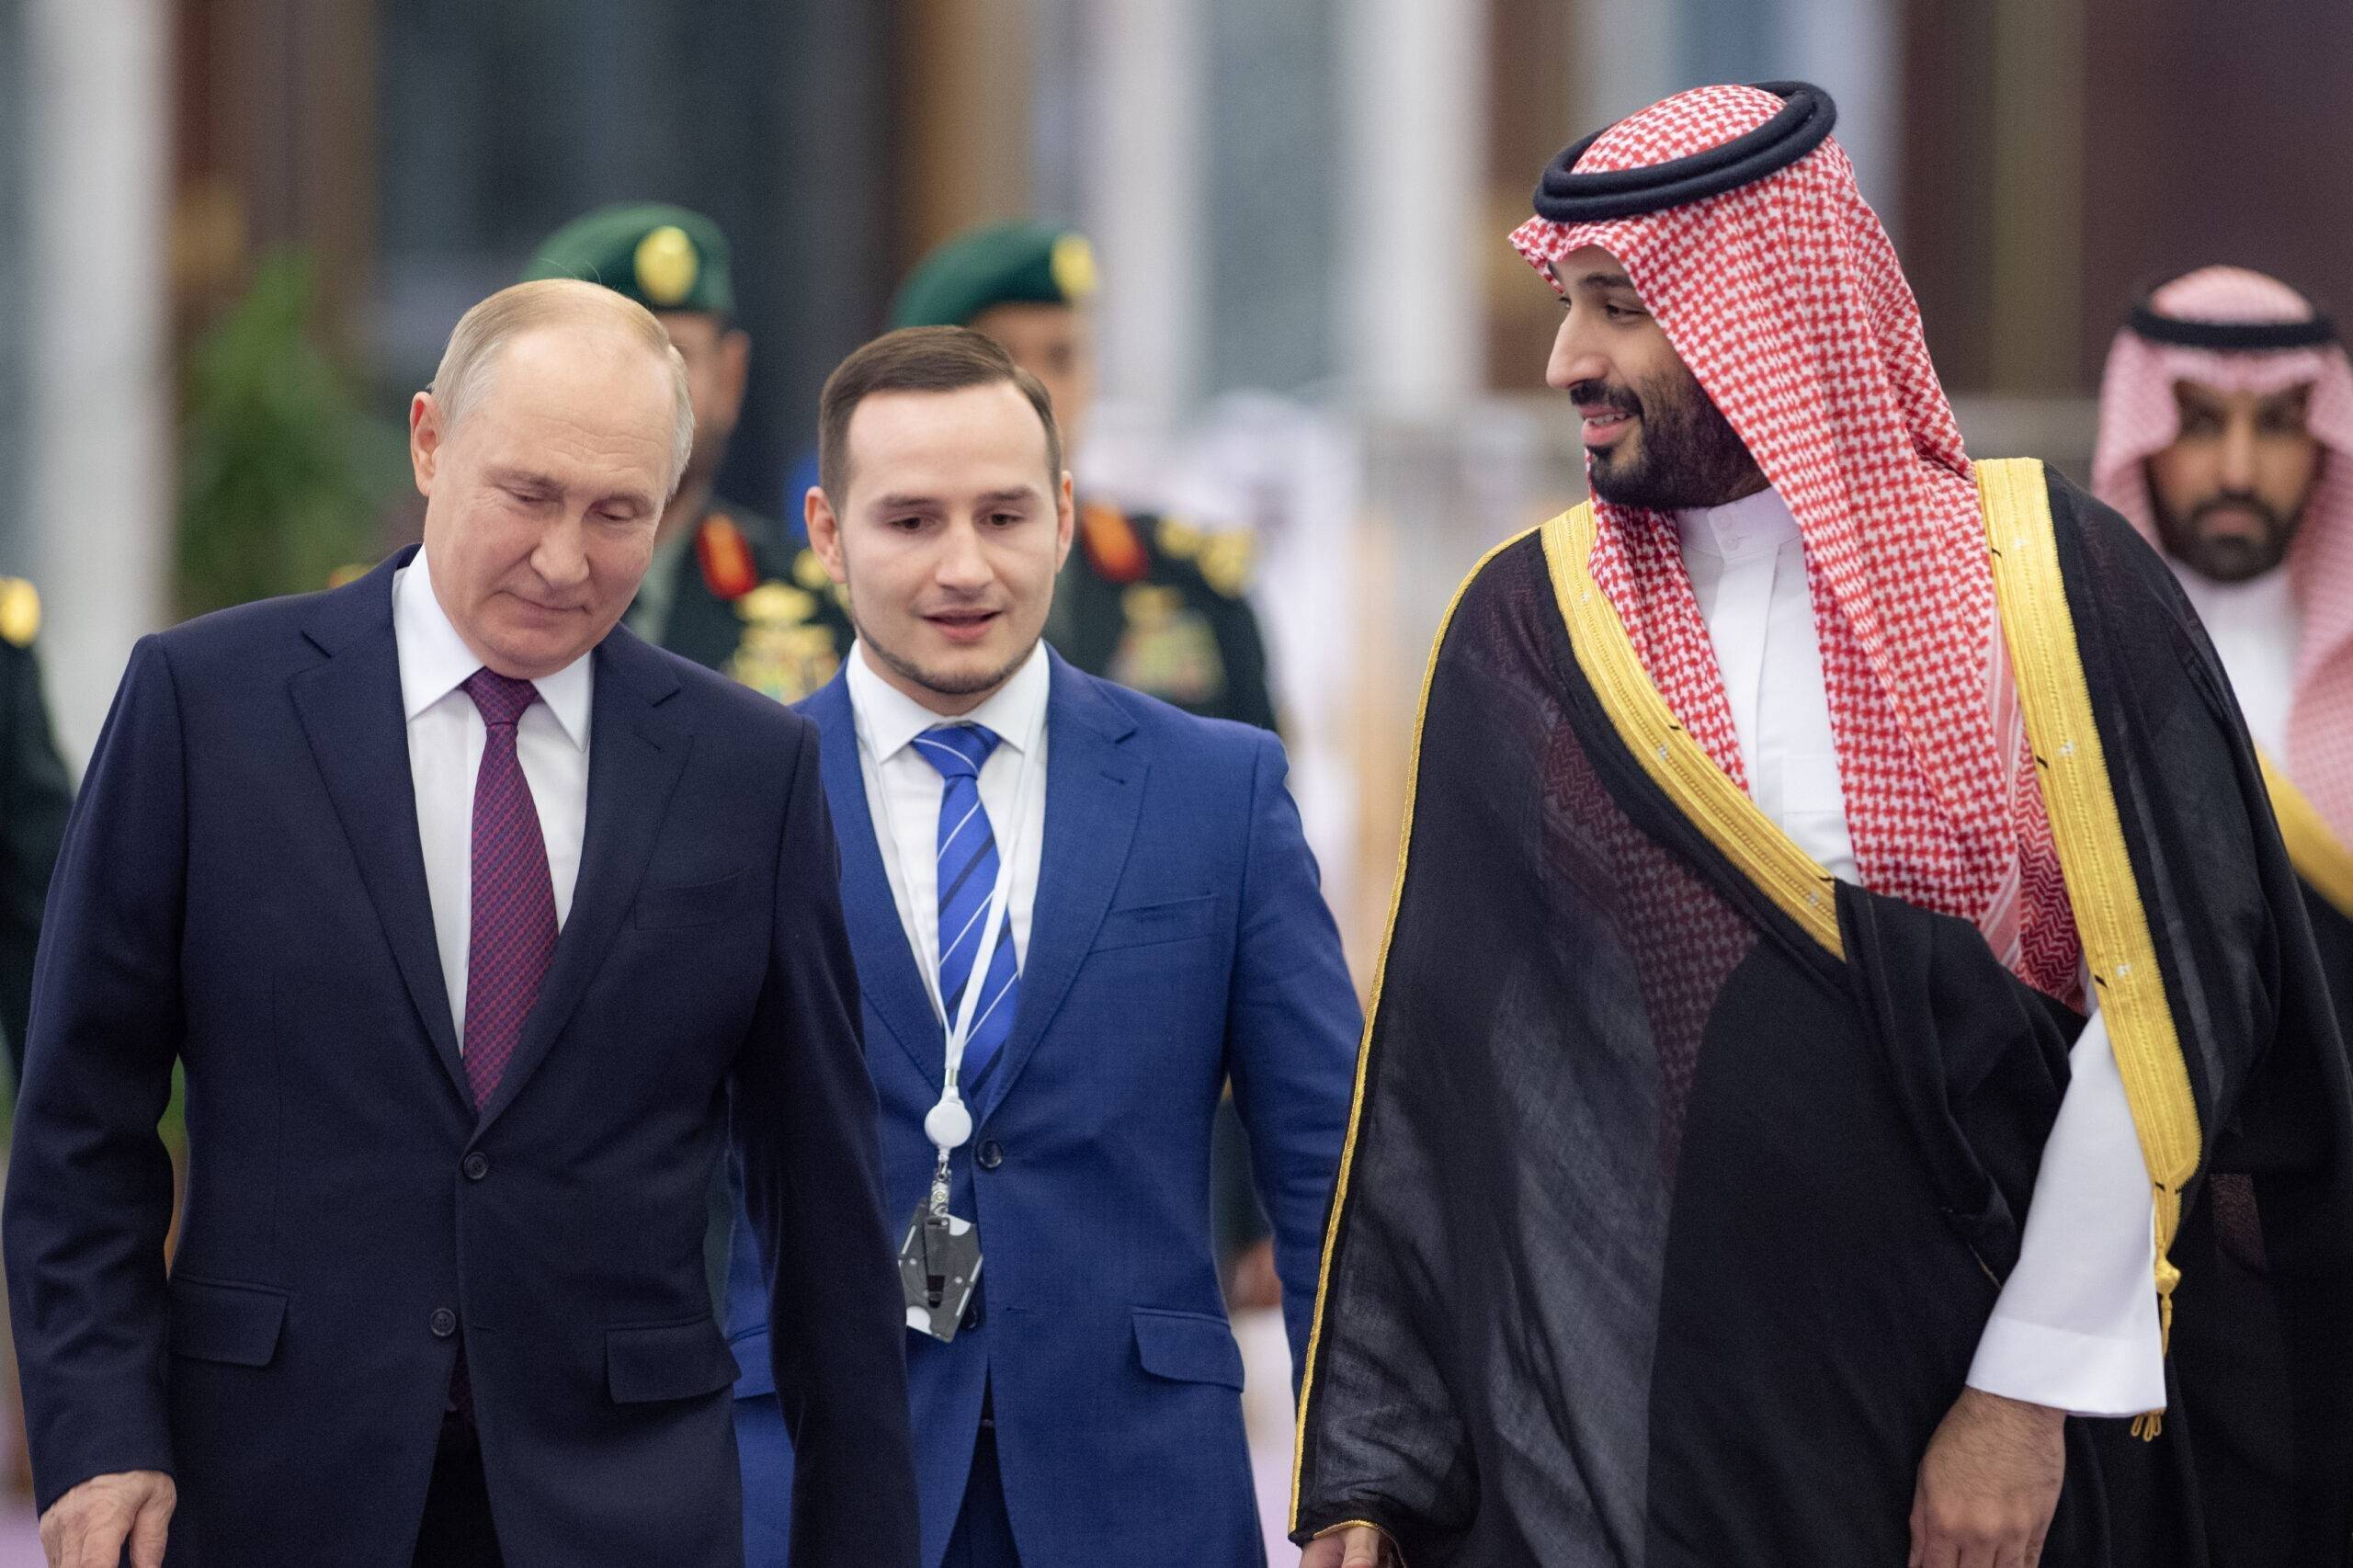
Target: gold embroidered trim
2320, 857
2048, 667
1675, 762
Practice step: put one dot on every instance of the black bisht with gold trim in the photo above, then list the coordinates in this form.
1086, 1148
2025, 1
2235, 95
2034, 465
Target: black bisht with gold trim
1682, 1178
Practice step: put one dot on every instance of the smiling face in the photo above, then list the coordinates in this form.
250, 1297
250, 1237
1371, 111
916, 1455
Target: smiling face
1653, 437
541, 502
950, 527
2230, 490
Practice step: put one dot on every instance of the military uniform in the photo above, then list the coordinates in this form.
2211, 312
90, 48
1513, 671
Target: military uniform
746, 601
1151, 603
35, 795
1156, 606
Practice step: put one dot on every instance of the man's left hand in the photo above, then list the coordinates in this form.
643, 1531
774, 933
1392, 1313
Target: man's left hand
1989, 1485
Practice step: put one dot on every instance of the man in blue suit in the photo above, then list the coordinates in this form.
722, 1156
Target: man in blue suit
1124, 892
469, 915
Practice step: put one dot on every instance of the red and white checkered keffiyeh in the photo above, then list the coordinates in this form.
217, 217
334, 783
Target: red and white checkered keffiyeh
2138, 418
1784, 299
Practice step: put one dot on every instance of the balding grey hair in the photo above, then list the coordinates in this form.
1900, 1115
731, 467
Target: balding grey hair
467, 363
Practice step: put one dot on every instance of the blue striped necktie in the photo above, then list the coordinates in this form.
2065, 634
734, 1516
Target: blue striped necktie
966, 865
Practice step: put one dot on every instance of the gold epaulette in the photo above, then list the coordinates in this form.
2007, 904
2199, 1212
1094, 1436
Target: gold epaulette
1224, 556
19, 611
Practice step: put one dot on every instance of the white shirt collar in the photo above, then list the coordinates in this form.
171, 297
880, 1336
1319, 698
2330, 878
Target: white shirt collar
1754, 524
434, 661
889, 719
2262, 603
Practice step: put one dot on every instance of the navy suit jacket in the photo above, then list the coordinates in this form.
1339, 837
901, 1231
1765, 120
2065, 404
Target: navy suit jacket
1178, 938
243, 892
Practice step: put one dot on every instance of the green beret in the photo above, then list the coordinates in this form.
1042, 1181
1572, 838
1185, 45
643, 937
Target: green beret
665, 258
1019, 263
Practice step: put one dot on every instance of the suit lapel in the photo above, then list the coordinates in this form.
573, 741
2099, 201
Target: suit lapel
351, 714
887, 975
635, 755
1094, 796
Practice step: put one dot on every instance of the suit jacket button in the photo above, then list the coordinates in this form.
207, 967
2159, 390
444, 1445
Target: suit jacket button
477, 1165
991, 1155
445, 1323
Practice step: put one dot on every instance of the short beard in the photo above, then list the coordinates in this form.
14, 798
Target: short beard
1689, 455
2226, 560
945, 685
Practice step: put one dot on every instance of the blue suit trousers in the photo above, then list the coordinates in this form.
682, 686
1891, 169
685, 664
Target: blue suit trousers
983, 1536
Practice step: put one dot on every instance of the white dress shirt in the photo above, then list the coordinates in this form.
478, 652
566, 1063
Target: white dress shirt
2075, 1326
446, 736
2255, 627
903, 794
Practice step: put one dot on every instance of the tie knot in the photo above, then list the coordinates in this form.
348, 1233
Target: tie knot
957, 750
501, 698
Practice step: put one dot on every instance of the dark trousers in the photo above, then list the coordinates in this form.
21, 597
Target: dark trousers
457, 1531
983, 1536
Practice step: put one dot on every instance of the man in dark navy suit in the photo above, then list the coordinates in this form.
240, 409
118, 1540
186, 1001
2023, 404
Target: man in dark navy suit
470, 919
1077, 912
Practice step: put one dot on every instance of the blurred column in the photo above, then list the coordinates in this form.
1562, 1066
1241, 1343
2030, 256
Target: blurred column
1629, 53
1535, 107
1852, 48
1410, 325
1142, 99
100, 449
271, 132
1273, 263
967, 73
2037, 125
1636, 52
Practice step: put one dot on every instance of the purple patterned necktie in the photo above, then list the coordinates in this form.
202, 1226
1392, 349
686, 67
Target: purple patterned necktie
513, 899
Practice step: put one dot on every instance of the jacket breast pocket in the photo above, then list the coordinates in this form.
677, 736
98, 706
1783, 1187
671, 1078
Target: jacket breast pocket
1187, 1347
235, 1324
668, 1360
698, 903
1178, 920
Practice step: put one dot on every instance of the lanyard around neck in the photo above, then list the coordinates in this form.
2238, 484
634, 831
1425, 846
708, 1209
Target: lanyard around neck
949, 1124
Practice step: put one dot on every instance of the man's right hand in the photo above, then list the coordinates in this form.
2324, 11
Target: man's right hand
1359, 1546
89, 1525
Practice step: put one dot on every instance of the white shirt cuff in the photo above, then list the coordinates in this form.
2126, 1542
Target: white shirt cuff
2082, 1374
2077, 1326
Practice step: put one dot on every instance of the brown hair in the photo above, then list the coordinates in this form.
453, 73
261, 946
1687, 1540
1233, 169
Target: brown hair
920, 360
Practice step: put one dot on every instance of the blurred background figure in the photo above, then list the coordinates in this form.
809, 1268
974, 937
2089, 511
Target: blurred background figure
35, 795
2226, 435
727, 589
240, 230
